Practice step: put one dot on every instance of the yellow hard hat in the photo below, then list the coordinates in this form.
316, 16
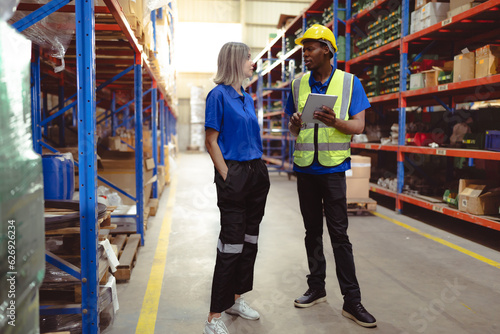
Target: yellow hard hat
320, 33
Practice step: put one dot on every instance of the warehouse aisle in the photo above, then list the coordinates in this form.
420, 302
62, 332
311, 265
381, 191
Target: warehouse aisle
414, 278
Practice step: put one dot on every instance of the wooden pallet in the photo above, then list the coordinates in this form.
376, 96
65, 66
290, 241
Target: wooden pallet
359, 206
128, 257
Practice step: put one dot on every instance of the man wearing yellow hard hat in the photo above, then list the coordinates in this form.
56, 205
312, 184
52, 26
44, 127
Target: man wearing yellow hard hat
321, 157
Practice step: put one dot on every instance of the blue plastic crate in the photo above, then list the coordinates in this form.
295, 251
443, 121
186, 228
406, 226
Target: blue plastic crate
492, 141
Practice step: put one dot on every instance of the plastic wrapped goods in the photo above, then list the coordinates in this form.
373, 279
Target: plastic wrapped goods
21, 192
7, 8
53, 32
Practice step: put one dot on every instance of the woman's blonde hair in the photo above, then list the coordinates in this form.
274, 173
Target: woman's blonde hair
230, 63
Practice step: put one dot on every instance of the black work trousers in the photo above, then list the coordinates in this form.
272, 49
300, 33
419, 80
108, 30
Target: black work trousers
327, 191
241, 199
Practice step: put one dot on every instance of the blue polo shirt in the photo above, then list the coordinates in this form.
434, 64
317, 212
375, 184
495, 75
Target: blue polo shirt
359, 102
233, 116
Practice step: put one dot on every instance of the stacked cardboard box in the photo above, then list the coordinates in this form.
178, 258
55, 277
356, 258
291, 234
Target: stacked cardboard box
358, 177
460, 6
428, 15
487, 61
464, 67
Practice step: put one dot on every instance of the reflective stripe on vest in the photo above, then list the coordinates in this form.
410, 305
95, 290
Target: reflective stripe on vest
333, 146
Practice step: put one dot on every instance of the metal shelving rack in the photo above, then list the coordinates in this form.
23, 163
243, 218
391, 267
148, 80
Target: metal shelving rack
85, 62
281, 64
476, 25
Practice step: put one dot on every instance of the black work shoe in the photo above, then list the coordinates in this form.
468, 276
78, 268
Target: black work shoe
311, 297
359, 315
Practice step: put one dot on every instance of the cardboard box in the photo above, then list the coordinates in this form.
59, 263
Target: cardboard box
454, 4
360, 167
415, 24
358, 177
461, 9
431, 77
357, 187
487, 61
417, 81
115, 143
475, 200
430, 21
434, 9
464, 67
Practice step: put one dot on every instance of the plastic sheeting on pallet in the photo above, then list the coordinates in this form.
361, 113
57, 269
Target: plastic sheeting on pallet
22, 244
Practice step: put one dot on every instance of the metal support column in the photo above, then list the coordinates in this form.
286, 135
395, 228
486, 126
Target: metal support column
114, 118
62, 124
347, 34
162, 130
139, 159
335, 28
85, 62
45, 113
36, 111
154, 132
405, 15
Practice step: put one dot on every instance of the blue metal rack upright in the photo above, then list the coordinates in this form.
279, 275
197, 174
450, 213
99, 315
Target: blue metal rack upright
83, 103
87, 157
139, 156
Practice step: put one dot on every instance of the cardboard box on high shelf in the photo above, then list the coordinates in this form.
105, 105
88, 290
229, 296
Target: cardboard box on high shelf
437, 9
416, 21
417, 81
461, 9
430, 21
454, 4
420, 3
431, 76
487, 60
464, 67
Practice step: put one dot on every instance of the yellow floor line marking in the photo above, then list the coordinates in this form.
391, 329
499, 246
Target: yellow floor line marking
468, 307
441, 241
147, 318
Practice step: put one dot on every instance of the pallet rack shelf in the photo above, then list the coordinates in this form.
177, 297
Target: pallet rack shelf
104, 57
477, 26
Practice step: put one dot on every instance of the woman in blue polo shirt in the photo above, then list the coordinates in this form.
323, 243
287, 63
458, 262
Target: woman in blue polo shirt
242, 180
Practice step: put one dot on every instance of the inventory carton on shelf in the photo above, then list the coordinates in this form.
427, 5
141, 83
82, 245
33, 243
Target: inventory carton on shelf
463, 8
358, 177
454, 4
464, 67
487, 61
474, 198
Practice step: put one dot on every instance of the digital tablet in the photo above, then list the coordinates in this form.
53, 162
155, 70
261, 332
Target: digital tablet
315, 102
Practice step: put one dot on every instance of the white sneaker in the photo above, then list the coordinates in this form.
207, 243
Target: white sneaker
242, 309
216, 326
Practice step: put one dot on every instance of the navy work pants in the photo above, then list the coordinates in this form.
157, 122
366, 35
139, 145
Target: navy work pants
327, 191
241, 199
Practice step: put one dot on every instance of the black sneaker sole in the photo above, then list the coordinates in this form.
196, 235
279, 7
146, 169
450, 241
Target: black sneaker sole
361, 323
316, 301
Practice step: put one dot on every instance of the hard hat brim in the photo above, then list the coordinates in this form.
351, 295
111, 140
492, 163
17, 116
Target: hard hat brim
299, 41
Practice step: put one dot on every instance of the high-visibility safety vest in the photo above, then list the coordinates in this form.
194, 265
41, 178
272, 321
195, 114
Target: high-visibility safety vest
332, 146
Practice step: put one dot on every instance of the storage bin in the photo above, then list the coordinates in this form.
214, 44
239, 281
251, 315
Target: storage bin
58, 176
492, 141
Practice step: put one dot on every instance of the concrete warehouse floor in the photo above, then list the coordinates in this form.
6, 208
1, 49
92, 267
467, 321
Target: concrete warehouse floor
414, 277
